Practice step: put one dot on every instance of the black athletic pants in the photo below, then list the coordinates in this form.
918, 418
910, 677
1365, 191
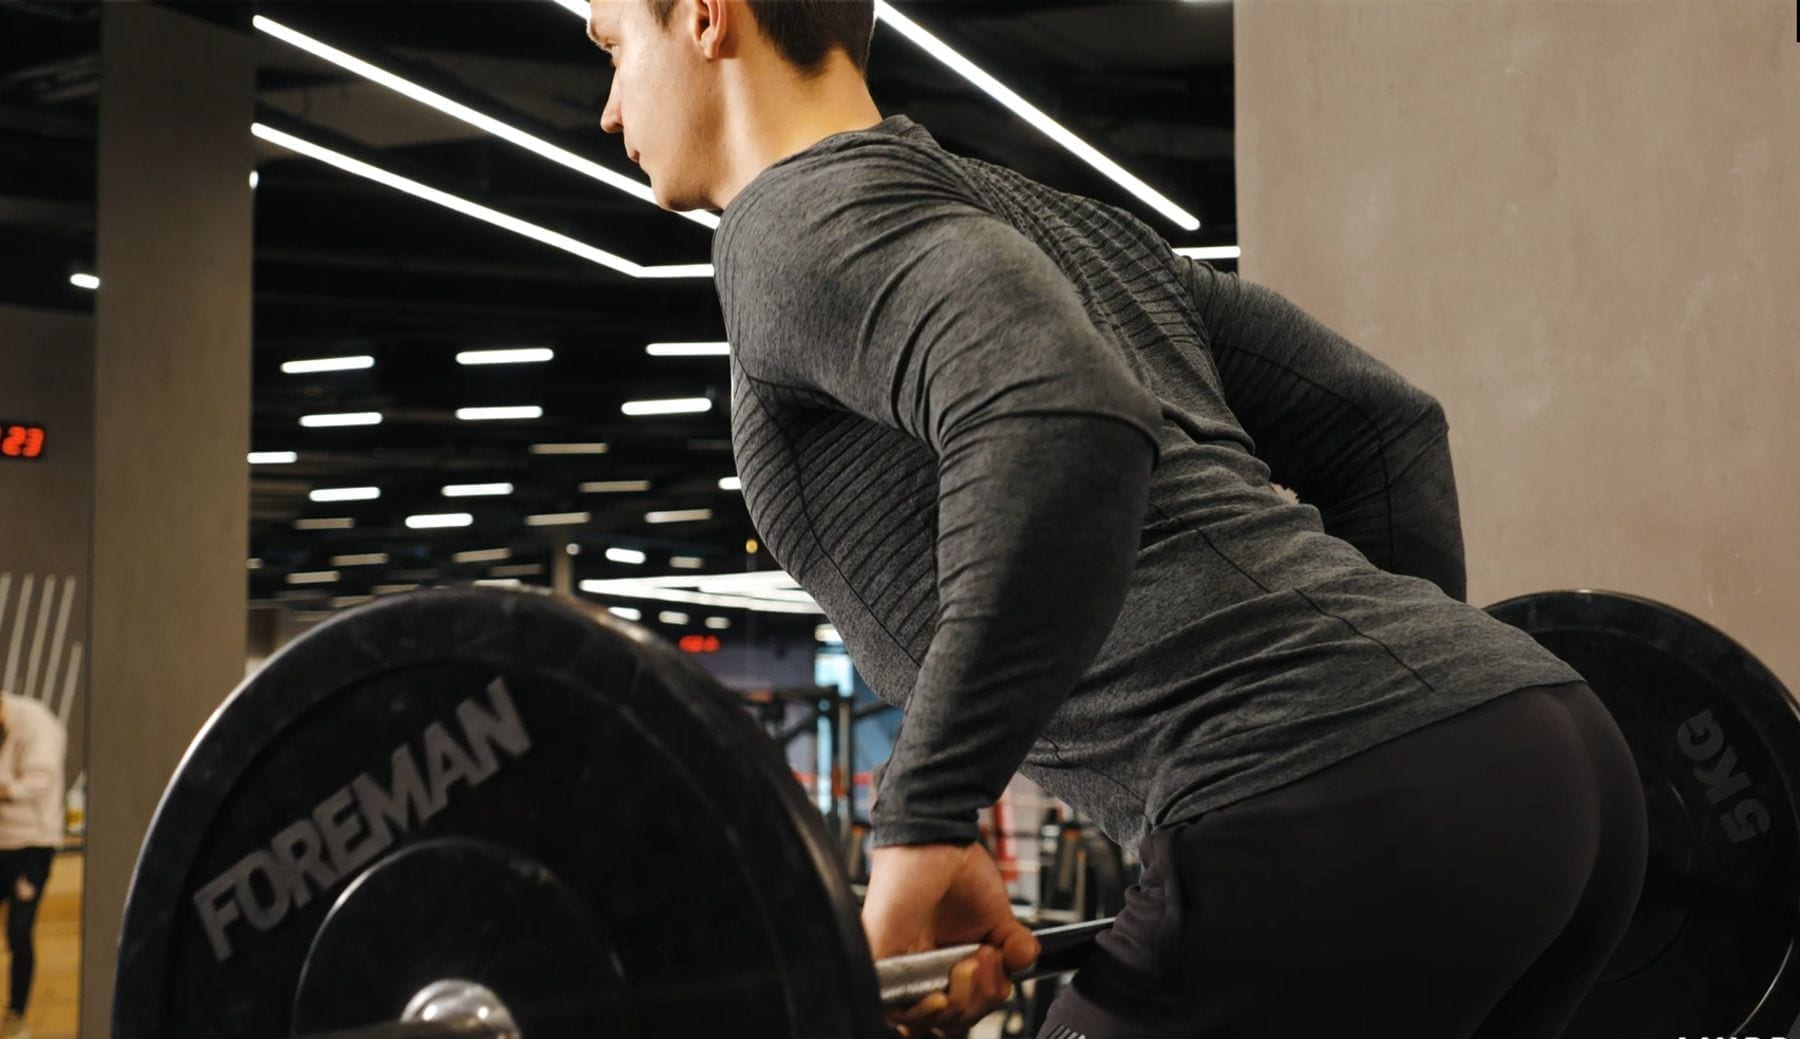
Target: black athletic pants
23, 871
1466, 881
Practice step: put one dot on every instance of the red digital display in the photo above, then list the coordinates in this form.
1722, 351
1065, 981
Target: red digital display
699, 643
19, 440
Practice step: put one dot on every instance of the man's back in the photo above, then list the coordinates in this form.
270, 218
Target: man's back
880, 360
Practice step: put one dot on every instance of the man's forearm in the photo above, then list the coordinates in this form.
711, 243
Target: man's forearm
1347, 433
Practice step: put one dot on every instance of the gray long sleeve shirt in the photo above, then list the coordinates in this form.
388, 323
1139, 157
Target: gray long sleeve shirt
1020, 452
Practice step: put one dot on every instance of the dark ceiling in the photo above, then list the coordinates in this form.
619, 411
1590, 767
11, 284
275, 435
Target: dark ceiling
348, 267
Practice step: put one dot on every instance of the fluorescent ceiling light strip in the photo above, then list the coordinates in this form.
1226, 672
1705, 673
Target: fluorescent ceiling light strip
686, 562
325, 494
529, 411
789, 595
357, 167
522, 355
719, 623
393, 589
677, 406
688, 349
331, 523
353, 418
328, 364
483, 555
673, 617
723, 602
678, 516
84, 281
569, 449
439, 521
678, 270
558, 519
365, 559
626, 612
520, 570
630, 556
455, 110
478, 490
731, 483
499, 582
755, 580
1030, 113
272, 457
1212, 252
313, 577
615, 486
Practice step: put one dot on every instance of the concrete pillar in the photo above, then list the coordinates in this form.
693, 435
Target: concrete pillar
172, 411
1575, 223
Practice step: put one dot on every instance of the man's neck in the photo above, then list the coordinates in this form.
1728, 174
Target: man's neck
791, 118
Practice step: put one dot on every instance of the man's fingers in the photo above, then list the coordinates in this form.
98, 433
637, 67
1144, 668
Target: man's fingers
919, 1017
967, 982
929, 1016
978, 986
1018, 948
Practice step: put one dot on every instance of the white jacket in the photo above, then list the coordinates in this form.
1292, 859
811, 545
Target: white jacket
31, 776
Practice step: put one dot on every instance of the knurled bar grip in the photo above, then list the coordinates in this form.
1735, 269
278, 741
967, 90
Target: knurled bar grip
905, 980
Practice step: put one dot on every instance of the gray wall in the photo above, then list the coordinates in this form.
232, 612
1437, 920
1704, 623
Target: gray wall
47, 377
1578, 224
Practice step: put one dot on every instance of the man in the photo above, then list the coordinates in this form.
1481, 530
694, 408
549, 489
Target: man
1021, 454
32, 744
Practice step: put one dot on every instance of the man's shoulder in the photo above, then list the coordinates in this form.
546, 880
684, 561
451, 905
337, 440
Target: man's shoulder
812, 191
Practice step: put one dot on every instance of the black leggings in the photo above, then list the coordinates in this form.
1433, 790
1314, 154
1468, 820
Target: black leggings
1466, 881
22, 871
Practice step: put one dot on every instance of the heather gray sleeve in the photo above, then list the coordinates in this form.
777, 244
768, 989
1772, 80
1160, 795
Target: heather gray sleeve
877, 283
1345, 432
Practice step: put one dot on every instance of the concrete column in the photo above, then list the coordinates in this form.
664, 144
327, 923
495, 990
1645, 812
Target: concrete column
1575, 223
172, 415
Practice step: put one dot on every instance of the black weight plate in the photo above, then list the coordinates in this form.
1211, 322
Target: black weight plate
529, 725
1711, 946
429, 913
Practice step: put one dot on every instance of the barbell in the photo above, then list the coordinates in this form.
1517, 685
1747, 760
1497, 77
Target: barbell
480, 813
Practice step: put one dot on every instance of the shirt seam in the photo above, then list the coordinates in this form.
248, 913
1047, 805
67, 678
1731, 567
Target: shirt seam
1381, 442
812, 530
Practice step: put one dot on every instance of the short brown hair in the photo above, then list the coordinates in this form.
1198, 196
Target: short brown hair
805, 32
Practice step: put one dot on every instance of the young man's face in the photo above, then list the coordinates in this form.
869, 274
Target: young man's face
663, 98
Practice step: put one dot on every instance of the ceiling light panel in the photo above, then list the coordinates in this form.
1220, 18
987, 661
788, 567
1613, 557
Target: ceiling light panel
456, 110
320, 365
521, 355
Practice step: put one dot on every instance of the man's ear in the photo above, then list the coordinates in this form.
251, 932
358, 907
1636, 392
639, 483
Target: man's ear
710, 24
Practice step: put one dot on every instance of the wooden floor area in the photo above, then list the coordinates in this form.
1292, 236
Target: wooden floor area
56, 991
